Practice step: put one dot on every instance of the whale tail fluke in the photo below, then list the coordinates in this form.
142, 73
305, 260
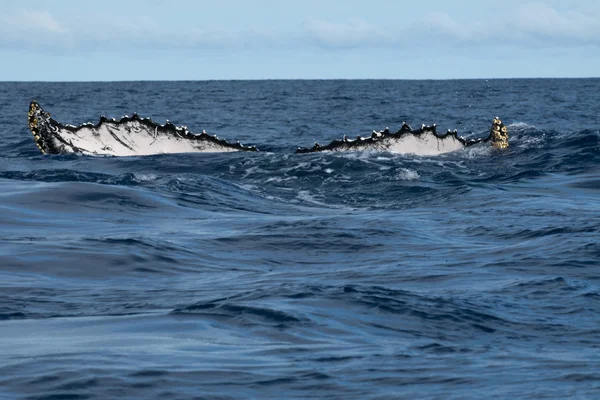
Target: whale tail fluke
499, 134
141, 136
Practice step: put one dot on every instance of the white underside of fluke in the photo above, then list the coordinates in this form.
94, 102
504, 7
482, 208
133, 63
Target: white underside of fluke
133, 139
424, 144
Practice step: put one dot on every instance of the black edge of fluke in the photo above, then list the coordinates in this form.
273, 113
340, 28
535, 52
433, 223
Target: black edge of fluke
42, 127
498, 135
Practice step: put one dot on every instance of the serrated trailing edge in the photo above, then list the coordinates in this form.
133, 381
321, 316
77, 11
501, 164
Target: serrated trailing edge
44, 128
380, 136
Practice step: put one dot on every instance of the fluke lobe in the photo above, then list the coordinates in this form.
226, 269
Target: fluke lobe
129, 136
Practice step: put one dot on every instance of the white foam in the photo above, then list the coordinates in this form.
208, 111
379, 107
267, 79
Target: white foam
534, 141
477, 151
405, 174
306, 196
279, 179
145, 177
521, 125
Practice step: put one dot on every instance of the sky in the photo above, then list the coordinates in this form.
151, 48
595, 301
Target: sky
110, 40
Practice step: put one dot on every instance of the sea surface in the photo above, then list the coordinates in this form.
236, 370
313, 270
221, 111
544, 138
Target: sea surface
362, 275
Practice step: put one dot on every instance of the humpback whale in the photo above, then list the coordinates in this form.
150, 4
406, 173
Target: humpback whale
423, 141
129, 136
136, 136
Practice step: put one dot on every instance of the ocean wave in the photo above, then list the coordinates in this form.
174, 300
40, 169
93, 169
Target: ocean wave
329, 274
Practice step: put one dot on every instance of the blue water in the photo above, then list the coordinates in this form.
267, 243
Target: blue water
473, 274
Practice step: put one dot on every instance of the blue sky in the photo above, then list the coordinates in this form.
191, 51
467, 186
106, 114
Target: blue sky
66, 40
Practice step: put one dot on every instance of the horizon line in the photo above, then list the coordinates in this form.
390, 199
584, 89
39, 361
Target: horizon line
291, 79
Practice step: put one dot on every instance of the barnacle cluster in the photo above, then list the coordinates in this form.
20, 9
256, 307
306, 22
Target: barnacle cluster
499, 134
32, 120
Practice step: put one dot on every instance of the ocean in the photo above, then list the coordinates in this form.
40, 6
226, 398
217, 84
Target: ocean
355, 275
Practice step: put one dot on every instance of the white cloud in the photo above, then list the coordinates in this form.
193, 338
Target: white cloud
542, 21
36, 20
529, 25
442, 23
31, 28
525, 26
352, 33
26, 29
